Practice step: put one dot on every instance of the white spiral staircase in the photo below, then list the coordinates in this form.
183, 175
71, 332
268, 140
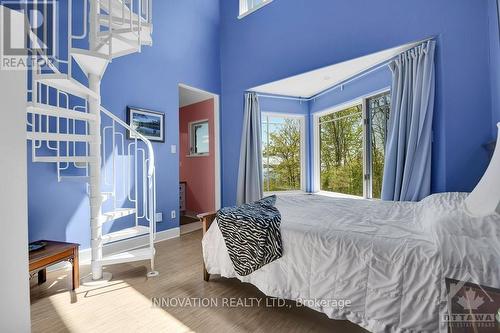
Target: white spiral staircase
69, 128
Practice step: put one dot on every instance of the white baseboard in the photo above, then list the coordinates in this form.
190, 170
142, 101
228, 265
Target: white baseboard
190, 227
121, 246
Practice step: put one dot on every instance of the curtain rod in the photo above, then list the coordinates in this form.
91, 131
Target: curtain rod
301, 99
347, 81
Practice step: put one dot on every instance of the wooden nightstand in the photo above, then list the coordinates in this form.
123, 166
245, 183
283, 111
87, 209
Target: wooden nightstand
51, 254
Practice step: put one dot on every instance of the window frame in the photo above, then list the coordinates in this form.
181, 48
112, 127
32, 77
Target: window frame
303, 160
245, 11
367, 154
192, 140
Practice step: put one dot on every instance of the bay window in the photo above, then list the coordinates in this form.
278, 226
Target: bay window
350, 147
283, 156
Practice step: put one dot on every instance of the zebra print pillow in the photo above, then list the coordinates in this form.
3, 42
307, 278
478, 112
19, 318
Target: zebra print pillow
252, 234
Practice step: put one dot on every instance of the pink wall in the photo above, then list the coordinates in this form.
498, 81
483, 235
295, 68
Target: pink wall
198, 172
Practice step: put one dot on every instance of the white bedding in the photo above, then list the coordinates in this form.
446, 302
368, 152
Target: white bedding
388, 259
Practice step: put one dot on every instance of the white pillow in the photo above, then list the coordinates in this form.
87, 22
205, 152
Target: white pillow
485, 199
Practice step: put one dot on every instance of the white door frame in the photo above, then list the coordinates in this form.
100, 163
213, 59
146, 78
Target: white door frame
216, 99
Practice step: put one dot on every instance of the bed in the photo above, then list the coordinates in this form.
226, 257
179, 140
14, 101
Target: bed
388, 259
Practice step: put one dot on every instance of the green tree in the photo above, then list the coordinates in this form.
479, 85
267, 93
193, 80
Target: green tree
379, 107
281, 158
380, 118
341, 151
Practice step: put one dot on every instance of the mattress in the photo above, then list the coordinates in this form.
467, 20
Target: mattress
387, 259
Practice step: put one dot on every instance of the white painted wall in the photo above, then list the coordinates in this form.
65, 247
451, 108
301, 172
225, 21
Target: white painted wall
14, 276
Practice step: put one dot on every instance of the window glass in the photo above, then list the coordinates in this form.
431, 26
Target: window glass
281, 153
199, 138
379, 109
341, 151
352, 155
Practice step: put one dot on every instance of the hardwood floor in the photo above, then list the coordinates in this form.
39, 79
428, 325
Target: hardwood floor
125, 303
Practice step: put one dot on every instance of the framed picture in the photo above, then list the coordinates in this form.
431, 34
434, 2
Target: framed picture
149, 123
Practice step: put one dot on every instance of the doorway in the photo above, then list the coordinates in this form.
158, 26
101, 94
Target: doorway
199, 159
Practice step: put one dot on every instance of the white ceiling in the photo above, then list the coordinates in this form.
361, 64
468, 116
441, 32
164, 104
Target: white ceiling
314, 82
191, 96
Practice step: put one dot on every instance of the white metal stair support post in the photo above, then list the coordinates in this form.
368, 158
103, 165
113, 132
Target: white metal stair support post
95, 181
95, 198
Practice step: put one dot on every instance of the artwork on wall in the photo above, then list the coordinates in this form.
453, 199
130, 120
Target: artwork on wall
150, 124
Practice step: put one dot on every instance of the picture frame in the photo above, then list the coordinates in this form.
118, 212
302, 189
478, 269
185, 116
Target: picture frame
149, 123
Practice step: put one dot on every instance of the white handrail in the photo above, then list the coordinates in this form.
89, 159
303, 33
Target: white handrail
151, 155
149, 179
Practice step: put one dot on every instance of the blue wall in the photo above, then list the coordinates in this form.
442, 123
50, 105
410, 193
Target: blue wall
200, 44
290, 37
363, 86
185, 50
286, 106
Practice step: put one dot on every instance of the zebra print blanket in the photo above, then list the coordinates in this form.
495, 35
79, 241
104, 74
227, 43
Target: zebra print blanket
252, 234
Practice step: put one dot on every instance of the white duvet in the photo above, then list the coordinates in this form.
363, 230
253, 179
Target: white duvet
388, 259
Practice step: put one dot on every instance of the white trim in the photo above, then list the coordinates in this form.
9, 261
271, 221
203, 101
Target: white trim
284, 192
244, 11
15, 301
339, 195
303, 159
216, 99
121, 246
316, 180
218, 185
